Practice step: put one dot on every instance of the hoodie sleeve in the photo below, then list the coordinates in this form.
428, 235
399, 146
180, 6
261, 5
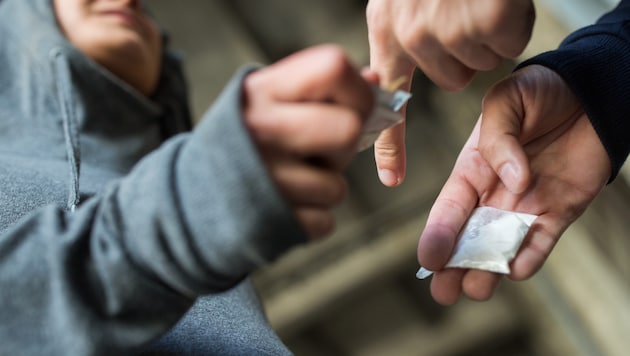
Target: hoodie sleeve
193, 218
595, 63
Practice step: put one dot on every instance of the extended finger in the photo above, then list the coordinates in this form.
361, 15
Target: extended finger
390, 155
389, 147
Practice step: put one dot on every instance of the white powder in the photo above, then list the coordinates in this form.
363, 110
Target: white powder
489, 240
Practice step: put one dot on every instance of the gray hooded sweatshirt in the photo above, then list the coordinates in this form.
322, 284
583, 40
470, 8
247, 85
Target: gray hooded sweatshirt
121, 231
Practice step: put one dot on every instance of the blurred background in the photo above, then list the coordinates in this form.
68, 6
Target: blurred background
356, 292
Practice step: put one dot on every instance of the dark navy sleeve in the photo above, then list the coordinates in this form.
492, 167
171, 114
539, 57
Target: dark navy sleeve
595, 62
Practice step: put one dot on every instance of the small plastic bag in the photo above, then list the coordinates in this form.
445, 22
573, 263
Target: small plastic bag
489, 241
384, 115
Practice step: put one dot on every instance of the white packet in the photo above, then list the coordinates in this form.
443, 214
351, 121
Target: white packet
489, 241
384, 115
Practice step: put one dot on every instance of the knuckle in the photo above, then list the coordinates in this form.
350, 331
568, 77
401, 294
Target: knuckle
510, 26
336, 62
487, 146
387, 150
414, 42
494, 24
377, 23
460, 76
489, 149
492, 63
452, 38
254, 81
514, 48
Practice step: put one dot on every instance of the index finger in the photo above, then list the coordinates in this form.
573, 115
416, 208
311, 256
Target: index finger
391, 63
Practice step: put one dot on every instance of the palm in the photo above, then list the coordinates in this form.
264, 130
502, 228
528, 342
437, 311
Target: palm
567, 168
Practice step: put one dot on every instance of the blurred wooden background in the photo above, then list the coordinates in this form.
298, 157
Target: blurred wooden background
356, 292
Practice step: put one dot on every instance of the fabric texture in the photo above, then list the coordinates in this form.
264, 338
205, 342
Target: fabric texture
119, 225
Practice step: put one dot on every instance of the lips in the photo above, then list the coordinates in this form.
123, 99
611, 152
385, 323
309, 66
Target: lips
124, 15
128, 18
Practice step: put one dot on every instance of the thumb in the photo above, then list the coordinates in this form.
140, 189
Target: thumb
499, 137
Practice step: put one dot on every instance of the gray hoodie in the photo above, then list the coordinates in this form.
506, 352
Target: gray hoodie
114, 221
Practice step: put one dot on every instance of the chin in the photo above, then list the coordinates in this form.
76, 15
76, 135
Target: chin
135, 63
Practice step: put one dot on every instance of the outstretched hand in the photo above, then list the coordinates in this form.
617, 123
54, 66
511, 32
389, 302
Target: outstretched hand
306, 115
449, 40
533, 150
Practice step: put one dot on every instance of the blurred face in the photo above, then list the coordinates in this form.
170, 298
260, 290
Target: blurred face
118, 35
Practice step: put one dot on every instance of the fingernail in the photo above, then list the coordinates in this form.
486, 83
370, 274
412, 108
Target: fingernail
388, 177
509, 176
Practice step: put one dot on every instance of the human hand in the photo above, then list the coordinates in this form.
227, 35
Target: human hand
533, 150
306, 115
449, 40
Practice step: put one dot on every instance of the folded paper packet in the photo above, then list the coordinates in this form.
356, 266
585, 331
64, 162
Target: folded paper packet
384, 115
489, 241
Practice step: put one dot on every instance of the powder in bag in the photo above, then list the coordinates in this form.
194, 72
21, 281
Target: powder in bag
489, 241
